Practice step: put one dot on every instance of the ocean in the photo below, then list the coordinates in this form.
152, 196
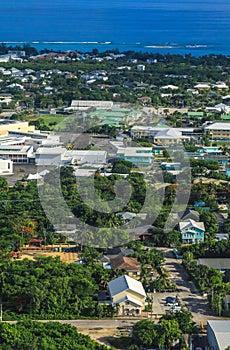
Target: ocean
198, 27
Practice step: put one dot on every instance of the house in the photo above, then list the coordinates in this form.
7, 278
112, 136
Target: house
126, 216
130, 265
150, 132
202, 86
141, 67
128, 294
218, 131
168, 136
169, 87
220, 86
144, 100
140, 156
167, 166
218, 334
221, 264
191, 231
191, 214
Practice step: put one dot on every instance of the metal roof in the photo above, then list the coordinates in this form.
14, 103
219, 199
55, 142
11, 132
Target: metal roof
221, 329
124, 283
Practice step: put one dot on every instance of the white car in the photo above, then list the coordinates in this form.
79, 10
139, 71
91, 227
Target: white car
175, 308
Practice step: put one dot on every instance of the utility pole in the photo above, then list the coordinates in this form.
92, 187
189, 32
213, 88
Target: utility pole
1, 281
0, 308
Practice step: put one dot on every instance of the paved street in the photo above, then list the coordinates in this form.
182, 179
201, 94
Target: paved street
188, 293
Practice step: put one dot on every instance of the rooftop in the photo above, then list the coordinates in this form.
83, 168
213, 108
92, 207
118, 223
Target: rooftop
125, 263
123, 283
221, 328
218, 126
189, 222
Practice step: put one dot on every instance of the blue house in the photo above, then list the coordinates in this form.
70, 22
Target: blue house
191, 231
170, 166
141, 156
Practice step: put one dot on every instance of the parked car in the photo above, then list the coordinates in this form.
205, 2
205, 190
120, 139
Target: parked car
175, 308
171, 301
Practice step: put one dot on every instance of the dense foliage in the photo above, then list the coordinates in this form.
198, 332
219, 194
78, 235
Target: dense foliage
30, 335
48, 288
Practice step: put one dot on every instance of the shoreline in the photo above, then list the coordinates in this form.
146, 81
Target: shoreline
194, 49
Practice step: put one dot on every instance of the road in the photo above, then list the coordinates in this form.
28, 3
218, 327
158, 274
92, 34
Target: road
93, 324
188, 293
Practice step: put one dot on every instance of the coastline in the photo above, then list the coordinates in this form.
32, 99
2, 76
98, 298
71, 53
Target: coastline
194, 49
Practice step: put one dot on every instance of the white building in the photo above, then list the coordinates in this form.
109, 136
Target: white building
86, 157
61, 156
82, 105
218, 334
141, 67
6, 166
46, 156
128, 294
18, 154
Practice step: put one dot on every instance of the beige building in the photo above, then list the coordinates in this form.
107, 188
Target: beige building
128, 294
219, 131
14, 125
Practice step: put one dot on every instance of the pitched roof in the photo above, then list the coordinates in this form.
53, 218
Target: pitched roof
132, 300
215, 263
190, 214
168, 134
125, 283
191, 223
125, 263
221, 329
218, 126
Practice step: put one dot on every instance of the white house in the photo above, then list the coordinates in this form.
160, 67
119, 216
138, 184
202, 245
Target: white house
128, 294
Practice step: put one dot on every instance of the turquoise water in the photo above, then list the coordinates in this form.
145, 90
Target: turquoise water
199, 27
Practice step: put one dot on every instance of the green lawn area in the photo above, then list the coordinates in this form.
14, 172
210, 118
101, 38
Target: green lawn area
50, 121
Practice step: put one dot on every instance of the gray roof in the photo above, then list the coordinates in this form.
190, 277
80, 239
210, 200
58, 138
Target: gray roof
215, 263
221, 328
190, 214
125, 283
218, 126
168, 134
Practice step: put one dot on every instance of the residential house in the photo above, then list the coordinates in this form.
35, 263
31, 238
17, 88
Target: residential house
202, 86
191, 231
218, 131
168, 136
128, 294
150, 132
189, 214
131, 266
170, 166
221, 264
140, 156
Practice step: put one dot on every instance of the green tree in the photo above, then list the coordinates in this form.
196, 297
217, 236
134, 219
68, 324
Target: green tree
169, 331
144, 333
